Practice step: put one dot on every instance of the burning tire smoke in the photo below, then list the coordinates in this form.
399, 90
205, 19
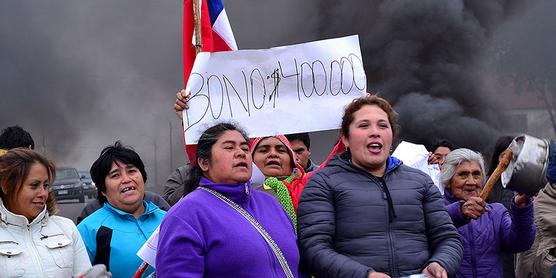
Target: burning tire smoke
426, 57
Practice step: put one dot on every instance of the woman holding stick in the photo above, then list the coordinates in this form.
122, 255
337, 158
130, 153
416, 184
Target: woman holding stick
486, 229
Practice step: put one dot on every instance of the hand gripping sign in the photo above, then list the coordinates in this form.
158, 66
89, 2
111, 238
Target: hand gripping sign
281, 90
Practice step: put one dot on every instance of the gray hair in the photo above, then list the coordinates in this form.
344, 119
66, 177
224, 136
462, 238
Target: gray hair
454, 159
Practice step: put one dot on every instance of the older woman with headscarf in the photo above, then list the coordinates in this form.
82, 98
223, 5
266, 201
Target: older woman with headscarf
486, 229
285, 178
274, 156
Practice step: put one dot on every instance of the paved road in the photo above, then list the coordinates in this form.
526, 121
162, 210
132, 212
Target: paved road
71, 208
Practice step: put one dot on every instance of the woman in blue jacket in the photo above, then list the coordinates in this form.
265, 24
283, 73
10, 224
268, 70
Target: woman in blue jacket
114, 233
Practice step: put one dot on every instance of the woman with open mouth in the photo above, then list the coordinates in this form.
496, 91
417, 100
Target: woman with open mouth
224, 228
275, 158
365, 214
114, 233
486, 229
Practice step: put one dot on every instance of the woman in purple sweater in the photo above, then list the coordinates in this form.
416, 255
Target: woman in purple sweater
485, 229
203, 235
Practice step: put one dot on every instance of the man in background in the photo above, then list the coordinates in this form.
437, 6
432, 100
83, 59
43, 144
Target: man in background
174, 188
301, 145
439, 151
15, 137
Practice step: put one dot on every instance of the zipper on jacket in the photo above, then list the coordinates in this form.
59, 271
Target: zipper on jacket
385, 193
393, 269
472, 243
35, 252
391, 210
391, 215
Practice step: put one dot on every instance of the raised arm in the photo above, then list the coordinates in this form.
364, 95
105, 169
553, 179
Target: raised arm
181, 103
517, 230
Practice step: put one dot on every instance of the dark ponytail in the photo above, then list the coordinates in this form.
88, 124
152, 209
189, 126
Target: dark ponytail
204, 148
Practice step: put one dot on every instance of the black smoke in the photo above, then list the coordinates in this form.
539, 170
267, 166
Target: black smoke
79, 75
427, 58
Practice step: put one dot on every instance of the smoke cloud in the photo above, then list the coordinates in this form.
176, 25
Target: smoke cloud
79, 75
426, 57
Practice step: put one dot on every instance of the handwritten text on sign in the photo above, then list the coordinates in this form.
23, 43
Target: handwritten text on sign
298, 88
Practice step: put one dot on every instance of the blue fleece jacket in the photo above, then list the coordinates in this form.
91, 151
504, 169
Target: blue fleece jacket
113, 237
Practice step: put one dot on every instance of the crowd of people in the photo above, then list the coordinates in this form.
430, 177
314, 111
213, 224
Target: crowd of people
360, 213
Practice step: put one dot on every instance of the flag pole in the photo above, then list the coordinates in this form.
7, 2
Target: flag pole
197, 21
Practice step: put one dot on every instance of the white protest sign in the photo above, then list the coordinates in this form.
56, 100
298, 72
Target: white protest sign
147, 252
281, 90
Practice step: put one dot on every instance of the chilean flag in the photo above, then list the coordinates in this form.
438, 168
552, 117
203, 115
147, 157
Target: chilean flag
216, 35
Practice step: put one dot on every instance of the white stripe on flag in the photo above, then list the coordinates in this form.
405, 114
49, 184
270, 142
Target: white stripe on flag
222, 27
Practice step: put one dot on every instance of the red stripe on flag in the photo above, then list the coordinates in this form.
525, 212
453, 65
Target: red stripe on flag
188, 48
211, 42
219, 43
188, 60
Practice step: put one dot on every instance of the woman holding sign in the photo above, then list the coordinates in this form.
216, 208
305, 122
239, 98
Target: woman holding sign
275, 158
367, 215
224, 228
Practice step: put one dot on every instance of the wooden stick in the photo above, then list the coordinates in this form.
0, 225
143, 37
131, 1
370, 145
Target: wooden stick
197, 22
501, 167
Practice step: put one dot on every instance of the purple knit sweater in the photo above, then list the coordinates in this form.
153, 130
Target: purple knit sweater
484, 238
201, 236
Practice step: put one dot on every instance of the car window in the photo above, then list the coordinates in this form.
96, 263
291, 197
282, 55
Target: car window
85, 174
66, 174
